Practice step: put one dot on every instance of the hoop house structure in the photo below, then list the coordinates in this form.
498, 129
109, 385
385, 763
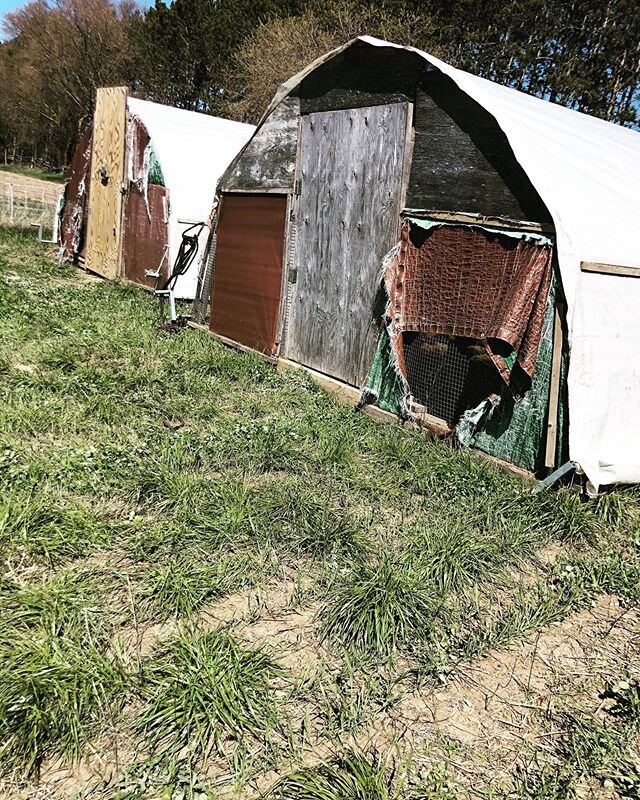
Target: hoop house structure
460, 252
141, 173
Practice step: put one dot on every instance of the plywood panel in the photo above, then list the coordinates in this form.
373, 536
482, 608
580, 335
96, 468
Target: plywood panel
245, 303
350, 173
462, 160
107, 174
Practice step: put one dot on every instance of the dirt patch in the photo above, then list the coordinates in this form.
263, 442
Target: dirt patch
32, 187
488, 719
138, 643
100, 766
493, 710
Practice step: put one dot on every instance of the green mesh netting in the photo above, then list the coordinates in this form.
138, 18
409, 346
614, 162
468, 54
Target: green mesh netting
514, 431
383, 383
155, 170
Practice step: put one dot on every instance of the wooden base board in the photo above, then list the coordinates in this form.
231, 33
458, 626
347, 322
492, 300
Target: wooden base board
230, 343
350, 395
479, 219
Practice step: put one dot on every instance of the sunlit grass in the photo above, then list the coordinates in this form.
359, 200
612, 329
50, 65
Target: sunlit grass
56, 692
377, 609
49, 527
146, 478
352, 776
203, 691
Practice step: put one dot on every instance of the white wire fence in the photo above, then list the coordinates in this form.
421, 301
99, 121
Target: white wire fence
26, 201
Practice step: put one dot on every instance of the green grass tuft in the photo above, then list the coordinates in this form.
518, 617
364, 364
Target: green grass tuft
295, 519
55, 694
49, 528
352, 776
67, 604
377, 609
183, 585
203, 690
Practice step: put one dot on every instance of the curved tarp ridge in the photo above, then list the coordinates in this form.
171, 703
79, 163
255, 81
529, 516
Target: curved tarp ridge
193, 150
587, 172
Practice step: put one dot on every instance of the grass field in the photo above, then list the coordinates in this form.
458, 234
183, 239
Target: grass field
218, 582
35, 172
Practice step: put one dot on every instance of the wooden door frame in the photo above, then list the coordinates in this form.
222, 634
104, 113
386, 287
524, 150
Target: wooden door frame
407, 159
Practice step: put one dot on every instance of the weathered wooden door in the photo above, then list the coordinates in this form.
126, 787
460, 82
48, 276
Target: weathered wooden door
103, 251
351, 175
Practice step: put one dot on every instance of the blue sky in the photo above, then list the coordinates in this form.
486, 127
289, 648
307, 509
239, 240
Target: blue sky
7, 5
11, 5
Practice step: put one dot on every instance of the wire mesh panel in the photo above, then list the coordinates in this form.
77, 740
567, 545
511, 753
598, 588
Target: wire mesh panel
447, 374
26, 201
200, 308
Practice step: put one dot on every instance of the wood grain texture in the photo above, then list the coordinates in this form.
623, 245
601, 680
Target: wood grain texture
462, 160
350, 176
268, 161
554, 392
610, 269
104, 226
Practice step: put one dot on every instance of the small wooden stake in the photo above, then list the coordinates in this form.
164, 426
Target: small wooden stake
554, 392
610, 269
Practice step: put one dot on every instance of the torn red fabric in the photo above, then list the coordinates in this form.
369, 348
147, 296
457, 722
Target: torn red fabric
467, 281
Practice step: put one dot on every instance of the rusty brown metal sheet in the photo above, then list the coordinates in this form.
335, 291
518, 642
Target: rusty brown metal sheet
73, 220
145, 233
245, 301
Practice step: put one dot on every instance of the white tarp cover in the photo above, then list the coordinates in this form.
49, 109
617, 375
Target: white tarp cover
587, 172
193, 150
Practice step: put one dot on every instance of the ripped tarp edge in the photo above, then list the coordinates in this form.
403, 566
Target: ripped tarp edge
528, 236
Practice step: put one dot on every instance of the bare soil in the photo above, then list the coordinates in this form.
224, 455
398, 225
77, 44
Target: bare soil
488, 718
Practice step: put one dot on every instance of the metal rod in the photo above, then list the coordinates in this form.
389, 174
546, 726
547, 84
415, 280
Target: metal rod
39, 226
555, 476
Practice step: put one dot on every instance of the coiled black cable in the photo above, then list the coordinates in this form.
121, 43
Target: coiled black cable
186, 254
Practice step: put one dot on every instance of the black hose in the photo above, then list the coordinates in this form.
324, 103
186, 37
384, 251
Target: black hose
186, 254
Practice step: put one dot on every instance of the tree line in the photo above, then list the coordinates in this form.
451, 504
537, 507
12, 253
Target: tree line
227, 57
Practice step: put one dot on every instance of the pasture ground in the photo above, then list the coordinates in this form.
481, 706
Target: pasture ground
217, 582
